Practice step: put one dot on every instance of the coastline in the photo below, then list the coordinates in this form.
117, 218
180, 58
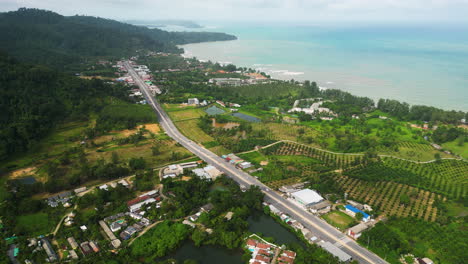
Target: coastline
388, 84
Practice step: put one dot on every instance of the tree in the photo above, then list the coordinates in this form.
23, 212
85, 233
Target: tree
137, 163
155, 150
359, 216
437, 157
115, 158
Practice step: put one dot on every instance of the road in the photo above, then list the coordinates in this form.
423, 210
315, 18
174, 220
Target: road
319, 227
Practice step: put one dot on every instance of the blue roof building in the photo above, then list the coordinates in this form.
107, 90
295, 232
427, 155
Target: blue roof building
353, 211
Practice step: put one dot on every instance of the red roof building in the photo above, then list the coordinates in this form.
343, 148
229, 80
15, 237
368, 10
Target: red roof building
263, 246
251, 243
264, 252
263, 258
289, 253
137, 200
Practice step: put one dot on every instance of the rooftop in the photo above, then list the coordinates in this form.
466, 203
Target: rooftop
308, 196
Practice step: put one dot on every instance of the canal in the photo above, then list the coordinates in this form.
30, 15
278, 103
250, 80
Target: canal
261, 224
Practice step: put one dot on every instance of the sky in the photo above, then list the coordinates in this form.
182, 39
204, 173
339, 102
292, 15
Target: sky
453, 11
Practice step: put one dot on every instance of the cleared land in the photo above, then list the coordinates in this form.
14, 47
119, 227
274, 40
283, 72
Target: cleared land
191, 129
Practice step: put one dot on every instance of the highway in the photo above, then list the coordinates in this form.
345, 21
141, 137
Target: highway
317, 226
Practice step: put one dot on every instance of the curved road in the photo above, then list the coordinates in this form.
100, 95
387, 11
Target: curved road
317, 226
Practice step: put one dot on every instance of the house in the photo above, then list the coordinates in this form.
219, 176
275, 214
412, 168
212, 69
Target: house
72, 242
86, 248
425, 261
356, 231
307, 197
94, 246
138, 206
124, 183
104, 187
335, 251
352, 211
80, 190
251, 244
262, 259
114, 241
193, 101
72, 254
322, 207
207, 207
245, 165
115, 226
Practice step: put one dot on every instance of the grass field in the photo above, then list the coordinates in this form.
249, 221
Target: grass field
186, 114
456, 149
35, 224
413, 151
59, 140
339, 219
191, 130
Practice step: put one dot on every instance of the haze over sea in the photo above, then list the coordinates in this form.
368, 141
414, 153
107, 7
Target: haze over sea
416, 64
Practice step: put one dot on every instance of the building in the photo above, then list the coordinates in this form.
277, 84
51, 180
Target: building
73, 254
245, 165
138, 206
356, 231
193, 101
352, 211
94, 246
72, 242
86, 249
425, 261
114, 241
226, 81
307, 197
335, 251
80, 190
49, 250
209, 172
322, 207
173, 169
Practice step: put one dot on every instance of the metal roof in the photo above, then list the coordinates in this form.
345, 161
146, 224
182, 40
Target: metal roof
308, 196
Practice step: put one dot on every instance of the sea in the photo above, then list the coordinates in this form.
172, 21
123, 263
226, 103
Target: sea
425, 64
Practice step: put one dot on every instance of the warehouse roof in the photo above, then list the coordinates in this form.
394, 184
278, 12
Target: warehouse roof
308, 196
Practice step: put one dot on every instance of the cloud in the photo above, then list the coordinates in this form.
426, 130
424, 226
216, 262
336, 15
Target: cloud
260, 10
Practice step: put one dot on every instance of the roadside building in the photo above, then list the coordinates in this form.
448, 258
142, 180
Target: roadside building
425, 261
356, 231
80, 190
322, 207
173, 169
335, 251
245, 165
307, 197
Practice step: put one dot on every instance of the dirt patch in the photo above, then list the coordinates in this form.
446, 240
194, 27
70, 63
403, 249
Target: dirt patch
22, 172
153, 128
228, 125
263, 163
186, 178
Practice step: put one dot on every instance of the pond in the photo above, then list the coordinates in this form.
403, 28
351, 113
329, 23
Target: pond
27, 180
261, 223
206, 254
213, 110
247, 117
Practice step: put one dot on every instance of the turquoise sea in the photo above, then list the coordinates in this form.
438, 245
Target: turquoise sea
426, 64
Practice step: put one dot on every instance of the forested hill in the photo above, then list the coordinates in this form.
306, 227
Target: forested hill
45, 37
34, 98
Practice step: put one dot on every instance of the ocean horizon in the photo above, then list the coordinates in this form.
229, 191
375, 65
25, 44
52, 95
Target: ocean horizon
420, 65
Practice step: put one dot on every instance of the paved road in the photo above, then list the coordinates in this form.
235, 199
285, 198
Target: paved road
319, 227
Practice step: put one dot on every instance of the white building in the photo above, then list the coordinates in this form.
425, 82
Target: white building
307, 197
193, 101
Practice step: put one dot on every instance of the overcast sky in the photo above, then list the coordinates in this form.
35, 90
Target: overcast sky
255, 10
